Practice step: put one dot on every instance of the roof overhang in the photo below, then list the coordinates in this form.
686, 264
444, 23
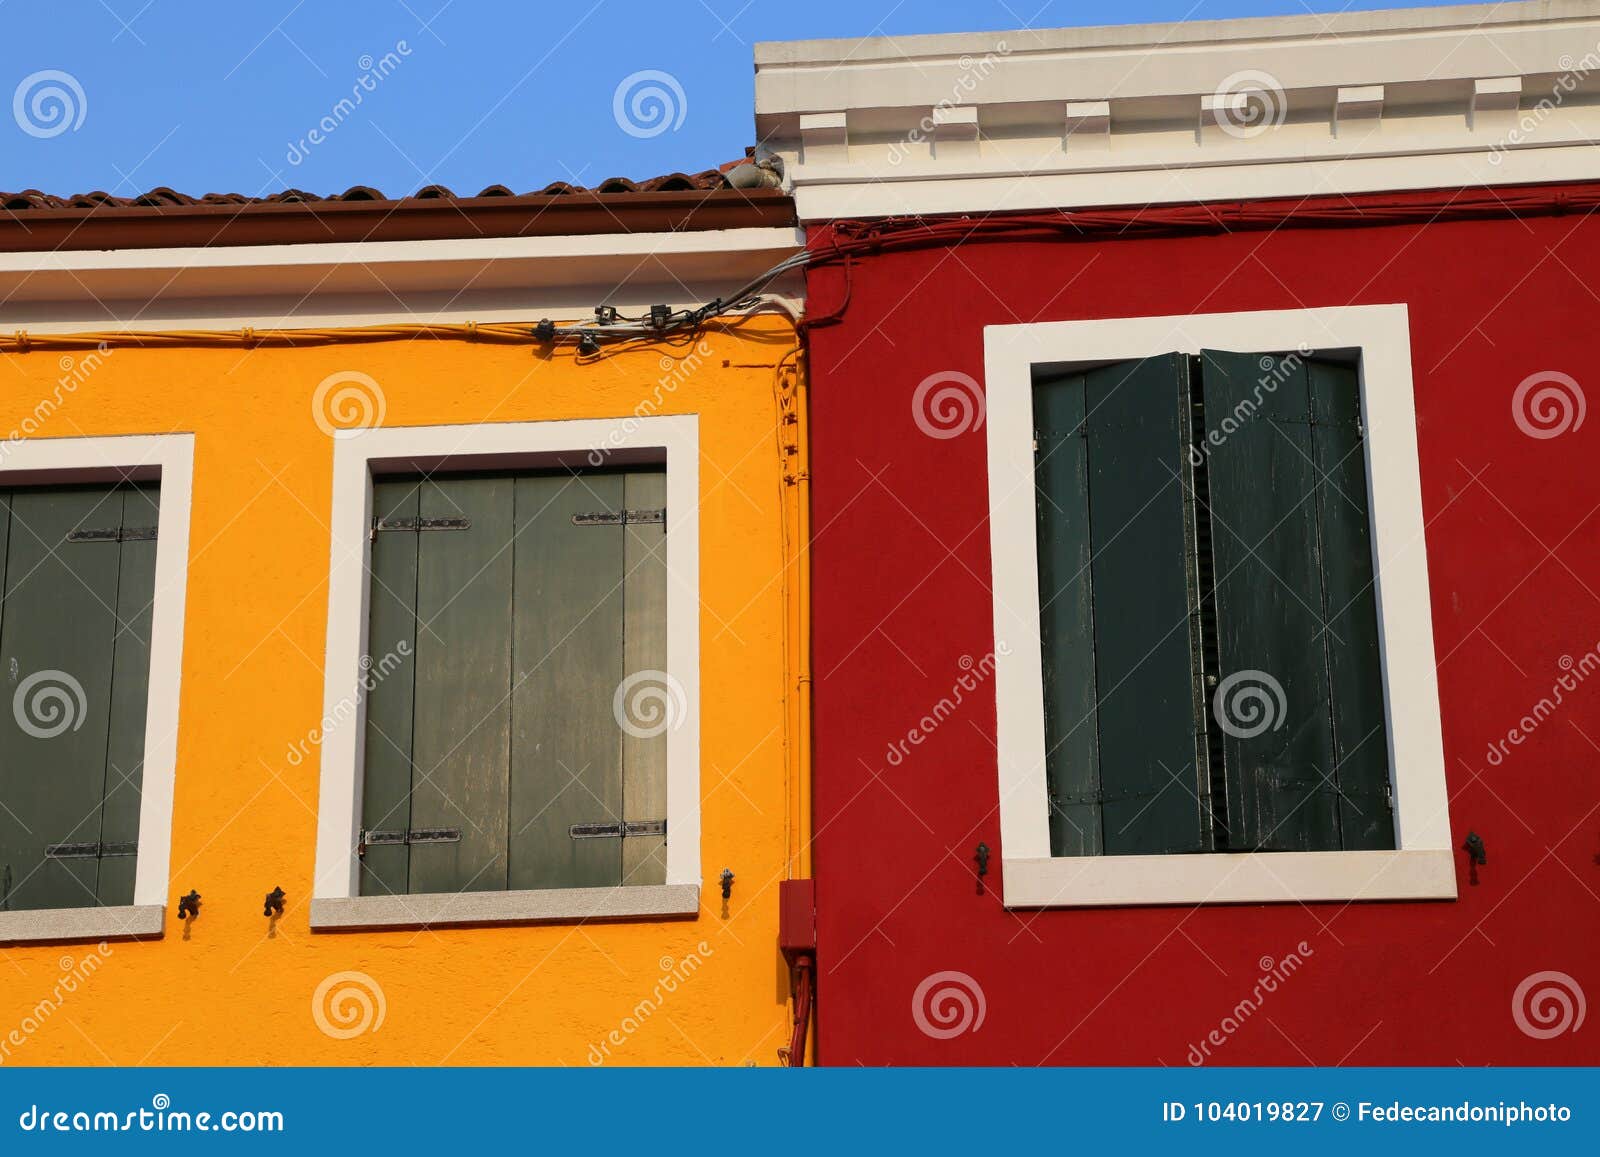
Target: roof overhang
1285, 106
479, 279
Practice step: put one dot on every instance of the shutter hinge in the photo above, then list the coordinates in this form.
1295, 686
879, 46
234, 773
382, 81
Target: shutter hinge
89, 851
620, 517
626, 828
114, 534
419, 524
382, 837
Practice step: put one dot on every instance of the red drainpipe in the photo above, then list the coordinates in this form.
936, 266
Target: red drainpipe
797, 937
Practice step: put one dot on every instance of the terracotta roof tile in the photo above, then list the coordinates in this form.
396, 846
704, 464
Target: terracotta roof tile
707, 180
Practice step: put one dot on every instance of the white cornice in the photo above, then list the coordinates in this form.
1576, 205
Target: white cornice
299, 286
1356, 102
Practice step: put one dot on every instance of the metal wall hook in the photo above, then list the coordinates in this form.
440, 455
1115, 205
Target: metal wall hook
273, 904
1474, 848
189, 906
982, 856
727, 882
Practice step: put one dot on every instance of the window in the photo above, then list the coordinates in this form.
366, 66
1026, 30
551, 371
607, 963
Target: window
1210, 636
79, 576
508, 611
510, 726
94, 542
1211, 579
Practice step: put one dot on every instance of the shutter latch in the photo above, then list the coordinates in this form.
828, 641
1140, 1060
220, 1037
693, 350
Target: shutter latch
625, 828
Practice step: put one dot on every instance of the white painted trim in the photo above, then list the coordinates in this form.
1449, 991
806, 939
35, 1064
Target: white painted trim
169, 457
674, 439
1380, 334
308, 286
1256, 878
543, 905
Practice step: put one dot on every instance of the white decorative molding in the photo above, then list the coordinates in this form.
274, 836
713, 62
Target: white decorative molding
824, 137
955, 131
1495, 95
1088, 124
1363, 103
1349, 103
1421, 867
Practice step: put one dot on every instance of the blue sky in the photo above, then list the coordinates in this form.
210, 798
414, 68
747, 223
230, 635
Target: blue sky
223, 97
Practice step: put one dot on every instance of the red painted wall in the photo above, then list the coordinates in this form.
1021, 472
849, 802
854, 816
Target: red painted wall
901, 561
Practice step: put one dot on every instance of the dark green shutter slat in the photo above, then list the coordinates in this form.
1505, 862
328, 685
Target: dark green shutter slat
462, 731
1143, 608
59, 601
130, 688
1269, 603
568, 629
644, 637
1066, 617
1360, 737
386, 796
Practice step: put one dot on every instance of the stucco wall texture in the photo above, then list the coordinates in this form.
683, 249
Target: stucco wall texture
229, 989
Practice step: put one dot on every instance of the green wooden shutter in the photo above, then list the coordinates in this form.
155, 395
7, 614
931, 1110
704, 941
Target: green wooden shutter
461, 730
522, 626
1292, 559
74, 646
1355, 669
1125, 509
567, 755
391, 646
1066, 616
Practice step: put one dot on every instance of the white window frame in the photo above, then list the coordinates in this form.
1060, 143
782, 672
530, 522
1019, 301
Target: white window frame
169, 459
1423, 865
670, 440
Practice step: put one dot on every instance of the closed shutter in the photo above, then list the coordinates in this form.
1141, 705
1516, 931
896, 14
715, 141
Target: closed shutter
1300, 706
79, 573
1116, 499
495, 760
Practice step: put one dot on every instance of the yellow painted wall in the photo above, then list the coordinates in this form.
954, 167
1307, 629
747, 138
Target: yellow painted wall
244, 818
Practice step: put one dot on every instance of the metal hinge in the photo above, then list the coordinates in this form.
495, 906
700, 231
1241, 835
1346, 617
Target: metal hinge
627, 828
620, 517
114, 534
413, 836
420, 524
88, 851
